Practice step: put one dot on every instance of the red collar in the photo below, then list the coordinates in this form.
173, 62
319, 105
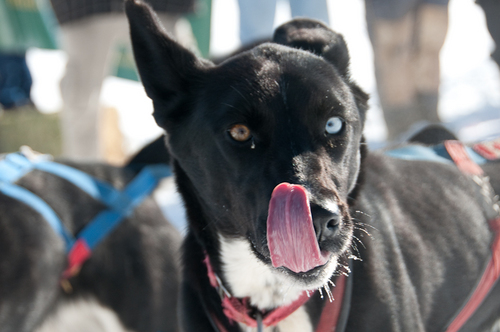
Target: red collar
239, 310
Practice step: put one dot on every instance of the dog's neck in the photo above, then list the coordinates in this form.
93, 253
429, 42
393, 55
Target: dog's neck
247, 276
250, 276
261, 288
240, 309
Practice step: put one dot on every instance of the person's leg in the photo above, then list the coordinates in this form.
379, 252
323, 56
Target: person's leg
89, 45
392, 40
492, 12
316, 9
256, 20
431, 29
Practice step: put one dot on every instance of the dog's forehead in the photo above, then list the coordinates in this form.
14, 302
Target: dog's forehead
271, 71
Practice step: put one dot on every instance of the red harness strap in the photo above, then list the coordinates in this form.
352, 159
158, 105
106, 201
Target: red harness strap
331, 312
489, 150
488, 280
457, 152
238, 310
492, 273
76, 257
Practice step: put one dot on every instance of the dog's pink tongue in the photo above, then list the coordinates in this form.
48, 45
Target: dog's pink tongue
290, 231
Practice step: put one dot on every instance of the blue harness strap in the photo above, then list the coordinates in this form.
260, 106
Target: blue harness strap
120, 203
38, 204
123, 203
437, 153
14, 166
97, 189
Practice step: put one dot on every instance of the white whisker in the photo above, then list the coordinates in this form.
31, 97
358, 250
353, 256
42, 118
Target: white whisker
355, 253
357, 239
356, 258
361, 212
328, 292
362, 230
360, 223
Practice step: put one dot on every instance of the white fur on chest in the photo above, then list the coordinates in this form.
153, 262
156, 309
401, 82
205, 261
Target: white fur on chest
247, 276
267, 288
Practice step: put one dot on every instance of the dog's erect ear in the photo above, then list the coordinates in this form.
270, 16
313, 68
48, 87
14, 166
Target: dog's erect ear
315, 37
166, 68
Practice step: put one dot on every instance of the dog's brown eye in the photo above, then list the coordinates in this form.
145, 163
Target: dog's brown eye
240, 133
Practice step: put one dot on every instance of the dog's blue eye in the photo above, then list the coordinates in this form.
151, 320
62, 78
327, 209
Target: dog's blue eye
334, 125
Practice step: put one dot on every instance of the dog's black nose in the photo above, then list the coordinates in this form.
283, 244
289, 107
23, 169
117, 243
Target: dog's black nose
326, 224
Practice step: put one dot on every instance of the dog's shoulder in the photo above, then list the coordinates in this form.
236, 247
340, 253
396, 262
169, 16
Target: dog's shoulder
408, 213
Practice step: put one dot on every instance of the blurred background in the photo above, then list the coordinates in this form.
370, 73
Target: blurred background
459, 79
469, 94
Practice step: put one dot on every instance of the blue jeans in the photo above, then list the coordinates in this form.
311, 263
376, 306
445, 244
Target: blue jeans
257, 16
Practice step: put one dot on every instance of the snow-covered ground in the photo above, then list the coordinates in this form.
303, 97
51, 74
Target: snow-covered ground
469, 96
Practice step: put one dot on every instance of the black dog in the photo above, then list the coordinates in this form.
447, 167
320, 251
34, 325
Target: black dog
281, 193
130, 282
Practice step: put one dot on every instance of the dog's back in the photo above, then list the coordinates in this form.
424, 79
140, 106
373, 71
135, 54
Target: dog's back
130, 280
428, 248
